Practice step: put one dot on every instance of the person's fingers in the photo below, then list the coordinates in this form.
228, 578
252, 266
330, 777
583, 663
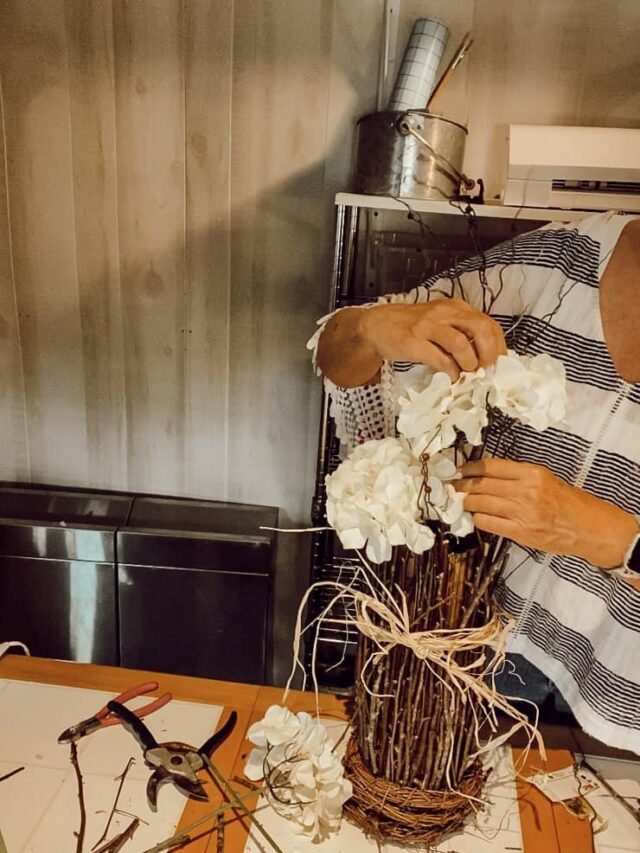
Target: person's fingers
457, 344
490, 505
496, 525
504, 469
484, 332
435, 357
485, 486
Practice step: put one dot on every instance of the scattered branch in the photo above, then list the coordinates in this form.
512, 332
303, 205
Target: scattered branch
13, 773
120, 840
83, 812
183, 836
122, 777
226, 788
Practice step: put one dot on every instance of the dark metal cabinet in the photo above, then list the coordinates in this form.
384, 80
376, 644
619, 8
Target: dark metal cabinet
57, 572
195, 588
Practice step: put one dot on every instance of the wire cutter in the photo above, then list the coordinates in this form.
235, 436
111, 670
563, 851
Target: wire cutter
173, 762
104, 717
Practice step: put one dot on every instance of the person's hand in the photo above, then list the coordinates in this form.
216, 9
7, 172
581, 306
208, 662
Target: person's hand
446, 335
530, 505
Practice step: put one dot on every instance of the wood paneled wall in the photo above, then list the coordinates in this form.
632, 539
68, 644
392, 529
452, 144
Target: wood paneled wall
166, 226
166, 176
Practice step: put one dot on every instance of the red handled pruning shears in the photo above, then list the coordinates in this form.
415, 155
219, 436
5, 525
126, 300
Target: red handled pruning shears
104, 717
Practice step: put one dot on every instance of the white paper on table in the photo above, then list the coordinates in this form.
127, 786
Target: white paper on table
39, 806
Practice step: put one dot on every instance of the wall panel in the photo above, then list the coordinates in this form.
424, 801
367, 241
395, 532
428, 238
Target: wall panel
150, 138
89, 30
208, 81
40, 185
278, 220
14, 459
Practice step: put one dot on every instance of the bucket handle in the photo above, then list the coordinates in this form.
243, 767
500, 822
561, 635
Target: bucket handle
406, 125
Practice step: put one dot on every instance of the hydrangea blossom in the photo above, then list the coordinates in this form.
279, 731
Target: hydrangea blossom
372, 500
378, 496
304, 777
432, 418
530, 389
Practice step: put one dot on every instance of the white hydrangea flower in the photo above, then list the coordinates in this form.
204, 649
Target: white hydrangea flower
376, 499
432, 418
304, 776
530, 389
372, 500
278, 726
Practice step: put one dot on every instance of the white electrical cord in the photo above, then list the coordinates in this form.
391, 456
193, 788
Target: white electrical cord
4, 647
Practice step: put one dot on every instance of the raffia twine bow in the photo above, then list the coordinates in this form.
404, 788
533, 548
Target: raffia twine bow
384, 618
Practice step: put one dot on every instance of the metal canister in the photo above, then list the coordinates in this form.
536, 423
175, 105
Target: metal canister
411, 154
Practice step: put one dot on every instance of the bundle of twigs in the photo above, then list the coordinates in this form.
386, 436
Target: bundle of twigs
414, 729
403, 813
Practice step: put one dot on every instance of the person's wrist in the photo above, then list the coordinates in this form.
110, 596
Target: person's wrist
615, 543
365, 331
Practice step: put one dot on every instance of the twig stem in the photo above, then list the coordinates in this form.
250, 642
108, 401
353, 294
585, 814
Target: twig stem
12, 773
120, 840
183, 835
83, 812
236, 800
122, 777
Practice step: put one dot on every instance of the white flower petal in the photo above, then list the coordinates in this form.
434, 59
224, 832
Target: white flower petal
254, 768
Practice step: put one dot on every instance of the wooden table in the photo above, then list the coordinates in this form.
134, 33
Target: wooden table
546, 828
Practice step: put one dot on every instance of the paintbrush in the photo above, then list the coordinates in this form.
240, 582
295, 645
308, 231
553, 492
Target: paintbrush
456, 59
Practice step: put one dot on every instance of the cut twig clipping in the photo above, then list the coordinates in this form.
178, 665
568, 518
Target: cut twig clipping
122, 777
120, 840
183, 836
12, 773
83, 812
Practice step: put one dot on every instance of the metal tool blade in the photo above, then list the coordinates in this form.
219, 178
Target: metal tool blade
159, 778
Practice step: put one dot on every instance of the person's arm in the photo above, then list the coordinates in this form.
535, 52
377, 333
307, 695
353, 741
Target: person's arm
446, 334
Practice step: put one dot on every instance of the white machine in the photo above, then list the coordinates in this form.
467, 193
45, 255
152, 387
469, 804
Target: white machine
589, 168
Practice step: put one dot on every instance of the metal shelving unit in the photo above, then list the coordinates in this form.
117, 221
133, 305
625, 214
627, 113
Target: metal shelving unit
378, 251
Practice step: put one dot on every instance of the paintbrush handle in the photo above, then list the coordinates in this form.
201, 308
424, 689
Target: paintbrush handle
457, 58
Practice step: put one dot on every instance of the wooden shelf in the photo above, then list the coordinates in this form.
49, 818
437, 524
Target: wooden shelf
491, 209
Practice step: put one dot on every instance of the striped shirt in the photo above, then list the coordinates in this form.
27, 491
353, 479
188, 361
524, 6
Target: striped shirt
576, 623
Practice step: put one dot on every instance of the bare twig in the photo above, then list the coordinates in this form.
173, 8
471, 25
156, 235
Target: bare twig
83, 812
120, 840
183, 836
237, 801
122, 777
13, 773
246, 783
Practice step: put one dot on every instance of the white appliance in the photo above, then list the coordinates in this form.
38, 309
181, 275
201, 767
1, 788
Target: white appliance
589, 168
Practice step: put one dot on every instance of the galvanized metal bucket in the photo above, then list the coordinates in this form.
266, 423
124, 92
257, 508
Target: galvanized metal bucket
410, 154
